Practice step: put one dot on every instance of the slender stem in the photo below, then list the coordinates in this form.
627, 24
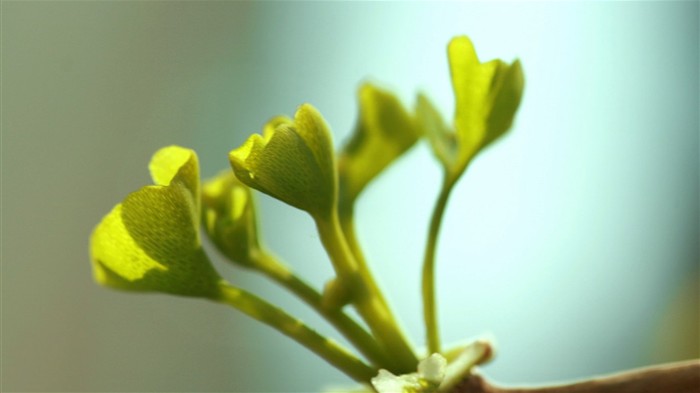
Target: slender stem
680, 377
347, 225
428, 280
351, 330
274, 317
366, 295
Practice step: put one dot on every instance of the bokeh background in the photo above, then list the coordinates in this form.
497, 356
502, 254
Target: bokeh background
573, 241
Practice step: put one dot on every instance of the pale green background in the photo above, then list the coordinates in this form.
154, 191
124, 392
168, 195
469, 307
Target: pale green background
574, 240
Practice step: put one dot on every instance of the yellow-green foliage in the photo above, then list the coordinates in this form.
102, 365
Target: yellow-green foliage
151, 240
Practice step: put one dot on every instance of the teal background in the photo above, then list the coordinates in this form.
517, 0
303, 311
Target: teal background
573, 241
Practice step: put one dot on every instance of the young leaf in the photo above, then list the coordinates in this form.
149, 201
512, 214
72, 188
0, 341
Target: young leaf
229, 217
487, 96
440, 136
383, 132
292, 161
150, 241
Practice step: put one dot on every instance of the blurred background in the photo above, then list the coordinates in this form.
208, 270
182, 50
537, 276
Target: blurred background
573, 240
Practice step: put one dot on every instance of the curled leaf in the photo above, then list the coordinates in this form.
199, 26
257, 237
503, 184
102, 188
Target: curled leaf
292, 161
441, 137
150, 241
229, 217
487, 96
384, 131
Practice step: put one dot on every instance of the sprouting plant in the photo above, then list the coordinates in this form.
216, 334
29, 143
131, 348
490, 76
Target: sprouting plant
152, 240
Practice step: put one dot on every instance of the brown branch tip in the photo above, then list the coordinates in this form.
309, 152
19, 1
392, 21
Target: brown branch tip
681, 377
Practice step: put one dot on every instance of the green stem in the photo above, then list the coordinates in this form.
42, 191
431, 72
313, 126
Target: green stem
347, 225
274, 317
351, 330
428, 280
366, 296
346, 216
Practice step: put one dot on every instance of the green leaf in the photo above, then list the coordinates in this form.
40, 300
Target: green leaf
471, 82
292, 161
487, 96
229, 217
384, 131
509, 84
175, 164
442, 138
150, 241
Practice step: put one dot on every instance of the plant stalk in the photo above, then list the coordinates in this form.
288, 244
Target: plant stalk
365, 295
351, 330
428, 278
274, 317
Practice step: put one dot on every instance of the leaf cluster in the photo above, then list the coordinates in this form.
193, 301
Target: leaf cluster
151, 241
